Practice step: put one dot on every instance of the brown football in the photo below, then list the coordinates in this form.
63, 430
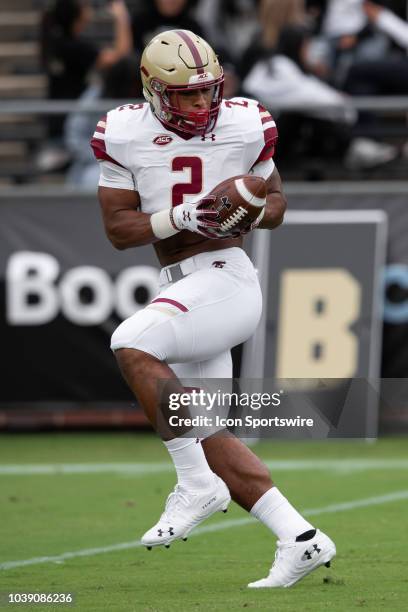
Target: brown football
239, 201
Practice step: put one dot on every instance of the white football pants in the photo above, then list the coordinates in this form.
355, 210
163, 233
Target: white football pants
194, 322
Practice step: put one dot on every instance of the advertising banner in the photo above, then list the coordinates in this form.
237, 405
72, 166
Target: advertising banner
64, 289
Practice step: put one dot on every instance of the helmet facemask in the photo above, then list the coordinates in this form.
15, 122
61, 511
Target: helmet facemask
195, 122
174, 62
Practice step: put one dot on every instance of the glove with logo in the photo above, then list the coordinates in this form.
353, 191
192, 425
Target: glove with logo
196, 218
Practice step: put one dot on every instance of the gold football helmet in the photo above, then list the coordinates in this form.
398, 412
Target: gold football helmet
176, 61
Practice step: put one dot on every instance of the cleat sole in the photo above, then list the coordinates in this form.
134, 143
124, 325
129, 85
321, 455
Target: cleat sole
185, 539
327, 564
167, 546
148, 548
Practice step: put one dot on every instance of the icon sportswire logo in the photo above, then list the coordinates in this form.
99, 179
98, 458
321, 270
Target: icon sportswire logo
162, 140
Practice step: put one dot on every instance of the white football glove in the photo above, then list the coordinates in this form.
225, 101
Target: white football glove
196, 218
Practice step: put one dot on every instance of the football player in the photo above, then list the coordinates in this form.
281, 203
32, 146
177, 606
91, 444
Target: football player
158, 160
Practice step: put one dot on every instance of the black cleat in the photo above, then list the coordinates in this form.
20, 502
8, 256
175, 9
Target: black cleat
327, 564
148, 548
167, 546
184, 539
225, 511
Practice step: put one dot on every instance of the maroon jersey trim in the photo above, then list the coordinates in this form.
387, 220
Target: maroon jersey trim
271, 138
100, 153
267, 153
99, 147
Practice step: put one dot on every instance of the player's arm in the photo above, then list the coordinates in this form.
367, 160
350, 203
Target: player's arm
265, 167
125, 225
275, 202
128, 227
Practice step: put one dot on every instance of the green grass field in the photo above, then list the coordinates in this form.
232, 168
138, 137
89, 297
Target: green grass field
52, 503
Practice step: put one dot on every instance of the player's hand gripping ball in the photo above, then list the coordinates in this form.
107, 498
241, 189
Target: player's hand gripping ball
240, 202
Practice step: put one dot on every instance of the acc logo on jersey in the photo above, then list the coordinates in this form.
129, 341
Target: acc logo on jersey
162, 140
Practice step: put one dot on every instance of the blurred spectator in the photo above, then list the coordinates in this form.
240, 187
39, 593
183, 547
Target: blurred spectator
159, 15
345, 35
284, 79
389, 75
339, 17
68, 58
274, 15
229, 24
120, 81
387, 22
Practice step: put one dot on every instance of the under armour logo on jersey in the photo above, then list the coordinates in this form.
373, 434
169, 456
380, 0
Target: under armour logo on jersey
219, 264
307, 555
204, 137
186, 216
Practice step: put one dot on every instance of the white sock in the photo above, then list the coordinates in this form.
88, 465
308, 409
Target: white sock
192, 469
274, 511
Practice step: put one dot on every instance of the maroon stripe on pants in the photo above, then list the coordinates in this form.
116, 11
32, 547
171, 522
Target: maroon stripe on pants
172, 302
193, 49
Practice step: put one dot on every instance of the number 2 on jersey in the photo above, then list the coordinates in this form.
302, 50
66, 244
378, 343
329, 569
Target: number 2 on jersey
194, 186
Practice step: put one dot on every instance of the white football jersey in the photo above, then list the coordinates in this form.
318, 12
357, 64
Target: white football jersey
167, 167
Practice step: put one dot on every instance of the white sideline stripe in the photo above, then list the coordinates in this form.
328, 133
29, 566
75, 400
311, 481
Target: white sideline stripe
247, 195
337, 465
84, 468
226, 524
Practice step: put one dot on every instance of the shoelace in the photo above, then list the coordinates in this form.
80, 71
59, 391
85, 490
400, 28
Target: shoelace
173, 502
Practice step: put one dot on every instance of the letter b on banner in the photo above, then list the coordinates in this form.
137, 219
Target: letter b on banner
31, 275
317, 309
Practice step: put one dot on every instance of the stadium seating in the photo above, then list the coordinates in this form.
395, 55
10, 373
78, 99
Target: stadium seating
21, 77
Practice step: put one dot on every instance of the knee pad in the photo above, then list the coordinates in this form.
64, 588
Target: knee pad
148, 330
